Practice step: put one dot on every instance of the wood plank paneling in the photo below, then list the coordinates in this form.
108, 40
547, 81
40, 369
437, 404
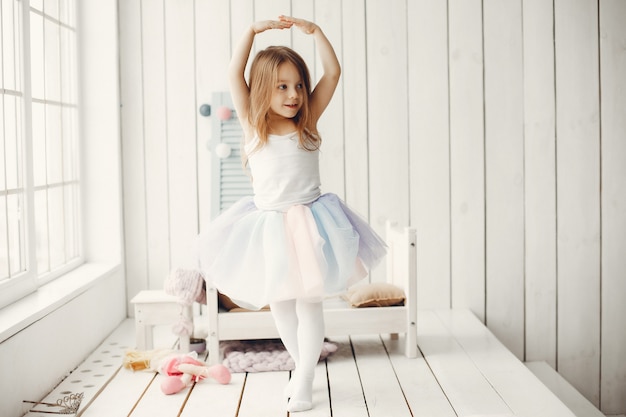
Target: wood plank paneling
355, 125
387, 113
344, 381
223, 400
267, 394
156, 210
504, 176
568, 395
124, 388
133, 151
465, 386
241, 16
467, 176
181, 132
212, 21
429, 147
613, 105
332, 169
514, 383
540, 181
478, 122
421, 388
270, 9
375, 372
300, 42
578, 194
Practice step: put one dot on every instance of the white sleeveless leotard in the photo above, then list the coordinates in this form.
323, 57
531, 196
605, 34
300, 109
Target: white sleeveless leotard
283, 173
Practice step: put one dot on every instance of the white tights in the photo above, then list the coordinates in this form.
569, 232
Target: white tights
300, 324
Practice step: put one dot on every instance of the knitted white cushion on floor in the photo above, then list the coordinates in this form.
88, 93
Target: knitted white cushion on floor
262, 355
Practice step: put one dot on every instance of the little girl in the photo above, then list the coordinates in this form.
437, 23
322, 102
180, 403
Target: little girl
288, 245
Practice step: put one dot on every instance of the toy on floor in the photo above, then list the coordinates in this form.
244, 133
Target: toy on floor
180, 370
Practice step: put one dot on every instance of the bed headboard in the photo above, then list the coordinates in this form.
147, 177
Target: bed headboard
402, 257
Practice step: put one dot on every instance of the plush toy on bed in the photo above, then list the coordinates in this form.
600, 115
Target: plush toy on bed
180, 370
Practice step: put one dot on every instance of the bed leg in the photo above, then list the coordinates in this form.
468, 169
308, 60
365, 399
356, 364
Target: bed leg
411, 341
213, 346
213, 339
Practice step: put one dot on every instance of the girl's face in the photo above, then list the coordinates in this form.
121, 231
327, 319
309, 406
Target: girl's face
288, 93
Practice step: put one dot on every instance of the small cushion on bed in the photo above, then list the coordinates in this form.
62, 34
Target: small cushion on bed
227, 304
378, 294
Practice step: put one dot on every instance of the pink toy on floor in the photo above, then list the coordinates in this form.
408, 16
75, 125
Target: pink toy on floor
181, 370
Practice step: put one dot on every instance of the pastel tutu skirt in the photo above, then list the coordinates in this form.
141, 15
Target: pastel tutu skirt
261, 256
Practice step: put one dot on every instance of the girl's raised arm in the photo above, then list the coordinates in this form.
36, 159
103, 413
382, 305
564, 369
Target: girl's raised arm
325, 88
239, 89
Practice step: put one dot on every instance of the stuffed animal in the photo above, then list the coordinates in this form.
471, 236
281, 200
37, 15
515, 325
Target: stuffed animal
181, 370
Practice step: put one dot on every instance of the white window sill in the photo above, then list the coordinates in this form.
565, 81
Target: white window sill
35, 306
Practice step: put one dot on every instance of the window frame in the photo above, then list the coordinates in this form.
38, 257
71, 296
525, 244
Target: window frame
30, 279
101, 203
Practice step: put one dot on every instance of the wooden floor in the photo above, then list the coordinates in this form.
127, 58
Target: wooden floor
462, 370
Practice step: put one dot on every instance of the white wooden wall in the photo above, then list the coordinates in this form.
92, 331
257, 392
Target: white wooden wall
496, 127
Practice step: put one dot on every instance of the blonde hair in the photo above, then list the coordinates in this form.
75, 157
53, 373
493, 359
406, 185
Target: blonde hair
263, 78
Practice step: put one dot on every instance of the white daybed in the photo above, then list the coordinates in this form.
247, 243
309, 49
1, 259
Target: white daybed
340, 318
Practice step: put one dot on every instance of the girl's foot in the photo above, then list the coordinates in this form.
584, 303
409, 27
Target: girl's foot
296, 405
301, 393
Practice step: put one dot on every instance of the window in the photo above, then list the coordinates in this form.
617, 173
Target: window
39, 175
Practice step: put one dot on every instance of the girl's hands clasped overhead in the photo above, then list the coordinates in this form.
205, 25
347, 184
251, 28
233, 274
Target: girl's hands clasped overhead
304, 25
284, 22
263, 25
